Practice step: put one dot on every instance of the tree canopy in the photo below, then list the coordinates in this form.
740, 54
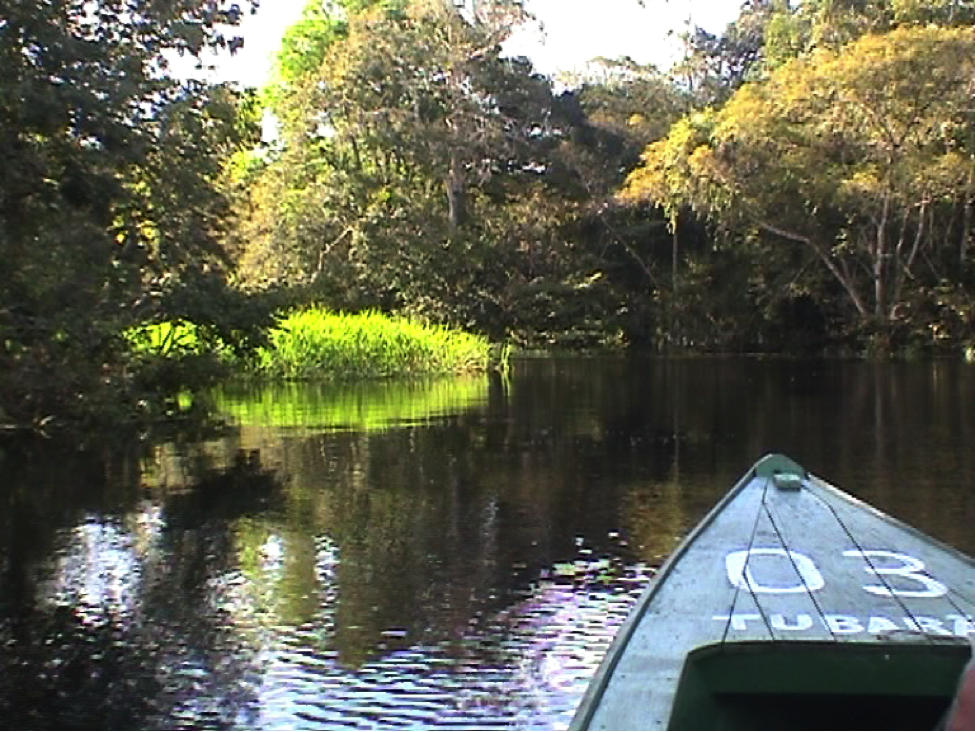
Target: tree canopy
107, 185
802, 181
846, 152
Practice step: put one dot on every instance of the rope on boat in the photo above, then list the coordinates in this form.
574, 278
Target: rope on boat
866, 558
961, 610
802, 577
744, 579
880, 575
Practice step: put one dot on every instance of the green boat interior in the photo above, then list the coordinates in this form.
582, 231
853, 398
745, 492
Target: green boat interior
817, 685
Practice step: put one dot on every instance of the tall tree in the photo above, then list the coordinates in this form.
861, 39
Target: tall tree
715, 65
796, 28
844, 152
92, 127
411, 116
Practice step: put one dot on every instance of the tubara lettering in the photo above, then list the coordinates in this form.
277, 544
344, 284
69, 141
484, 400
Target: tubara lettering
838, 624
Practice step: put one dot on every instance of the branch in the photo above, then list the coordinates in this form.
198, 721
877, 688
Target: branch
825, 256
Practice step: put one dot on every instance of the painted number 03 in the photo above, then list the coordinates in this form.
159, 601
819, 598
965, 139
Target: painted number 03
810, 579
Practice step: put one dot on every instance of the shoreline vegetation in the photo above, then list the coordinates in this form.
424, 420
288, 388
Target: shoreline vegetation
800, 184
317, 344
173, 364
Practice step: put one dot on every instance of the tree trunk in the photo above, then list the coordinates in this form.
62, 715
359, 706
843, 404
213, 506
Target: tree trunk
823, 252
881, 311
456, 194
966, 217
880, 264
673, 284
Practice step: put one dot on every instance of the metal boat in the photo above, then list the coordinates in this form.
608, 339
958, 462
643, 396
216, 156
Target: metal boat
792, 605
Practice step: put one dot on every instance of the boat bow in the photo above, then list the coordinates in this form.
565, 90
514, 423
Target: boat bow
785, 561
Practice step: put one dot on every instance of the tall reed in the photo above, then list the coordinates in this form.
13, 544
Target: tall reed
314, 343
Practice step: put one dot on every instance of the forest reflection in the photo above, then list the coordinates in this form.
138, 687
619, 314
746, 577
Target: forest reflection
450, 558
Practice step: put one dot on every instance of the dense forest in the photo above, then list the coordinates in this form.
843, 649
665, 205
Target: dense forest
801, 183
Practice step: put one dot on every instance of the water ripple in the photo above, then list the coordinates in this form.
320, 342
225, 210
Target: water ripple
525, 666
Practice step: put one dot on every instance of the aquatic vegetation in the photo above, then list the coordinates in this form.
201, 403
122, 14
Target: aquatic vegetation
314, 343
318, 344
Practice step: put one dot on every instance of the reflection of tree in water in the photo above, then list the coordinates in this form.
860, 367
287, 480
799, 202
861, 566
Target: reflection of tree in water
120, 630
208, 669
452, 574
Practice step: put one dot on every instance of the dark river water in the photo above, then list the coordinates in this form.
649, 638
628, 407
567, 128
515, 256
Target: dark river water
447, 554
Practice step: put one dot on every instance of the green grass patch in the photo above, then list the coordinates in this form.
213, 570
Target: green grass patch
319, 344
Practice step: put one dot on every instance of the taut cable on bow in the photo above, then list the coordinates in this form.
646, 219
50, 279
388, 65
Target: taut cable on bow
802, 577
744, 577
874, 570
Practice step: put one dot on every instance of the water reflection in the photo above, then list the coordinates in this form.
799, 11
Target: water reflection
502, 669
361, 406
423, 555
98, 570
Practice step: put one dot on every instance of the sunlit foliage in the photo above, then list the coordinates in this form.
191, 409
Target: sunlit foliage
852, 154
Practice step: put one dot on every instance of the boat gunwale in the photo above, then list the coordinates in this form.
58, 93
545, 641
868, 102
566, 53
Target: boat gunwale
839, 493
594, 692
